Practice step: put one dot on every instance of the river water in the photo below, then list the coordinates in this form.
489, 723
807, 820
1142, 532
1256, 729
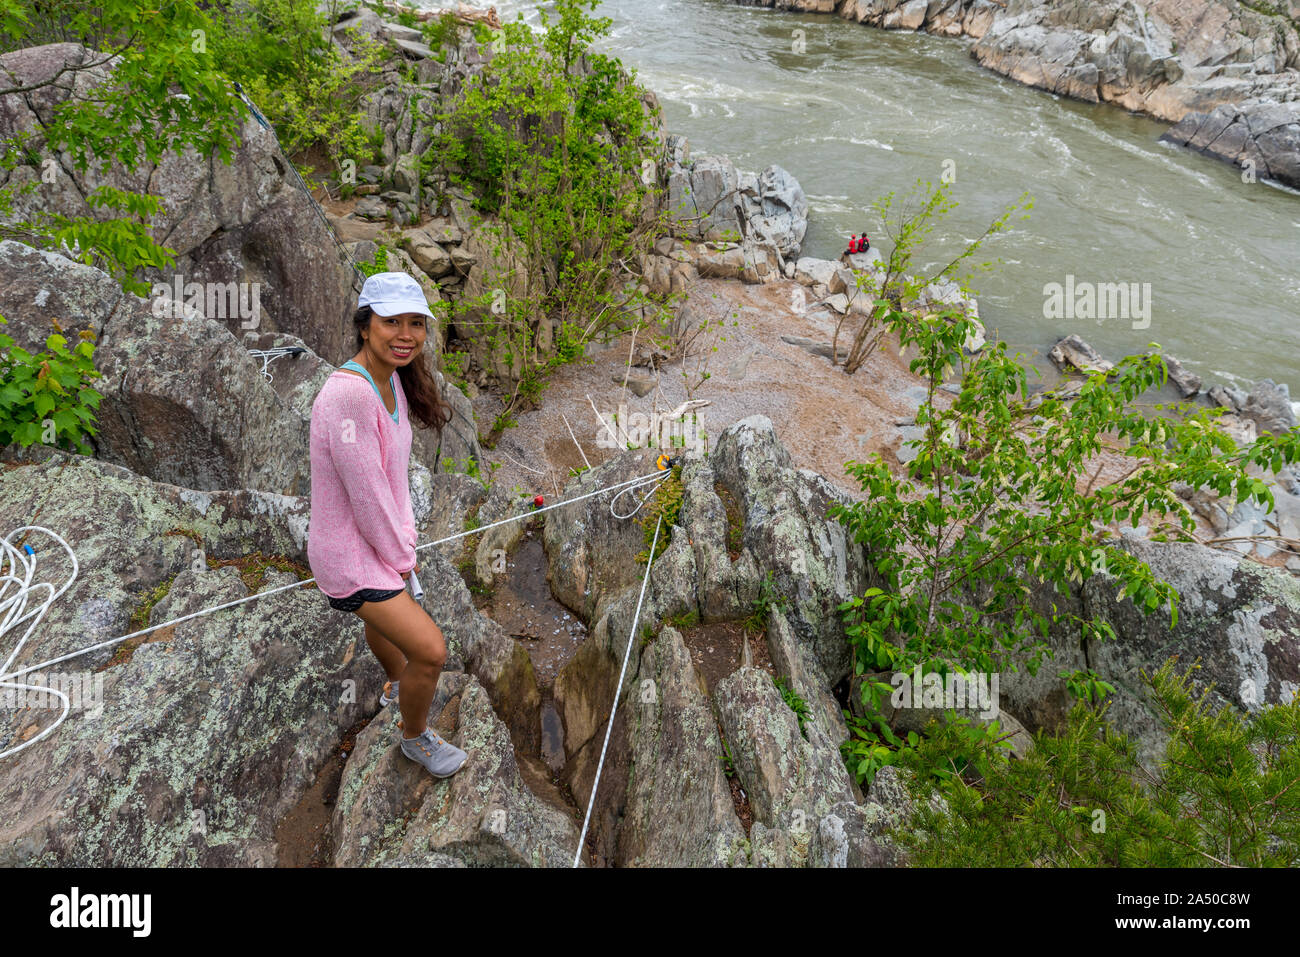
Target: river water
854, 113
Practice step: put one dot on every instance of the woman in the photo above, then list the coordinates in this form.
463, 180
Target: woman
361, 538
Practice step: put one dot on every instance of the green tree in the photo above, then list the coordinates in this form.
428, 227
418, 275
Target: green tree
1005, 502
549, 138
164, 93
1226, 794
164, 81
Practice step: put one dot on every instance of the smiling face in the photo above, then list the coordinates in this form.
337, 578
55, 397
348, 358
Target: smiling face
395, 340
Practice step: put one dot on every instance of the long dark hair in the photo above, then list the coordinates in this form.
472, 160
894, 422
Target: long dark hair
422, 395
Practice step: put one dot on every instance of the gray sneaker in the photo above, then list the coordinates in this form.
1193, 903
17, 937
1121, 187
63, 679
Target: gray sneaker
389, 693
441, 758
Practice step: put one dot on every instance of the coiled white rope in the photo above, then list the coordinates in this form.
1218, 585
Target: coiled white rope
21, 567
18, 568
609, 725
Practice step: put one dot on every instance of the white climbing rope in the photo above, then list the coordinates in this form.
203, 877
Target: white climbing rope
644, 498
267, 355
609, 725
18, 570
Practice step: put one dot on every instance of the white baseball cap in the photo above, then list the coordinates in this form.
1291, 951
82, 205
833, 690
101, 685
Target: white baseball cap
392, 294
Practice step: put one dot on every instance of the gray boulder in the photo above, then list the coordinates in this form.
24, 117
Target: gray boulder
710, 200
678, 810
824, 727
400, 112
448, 498
1187, 382
451, 448
501, 665
811, 272
500, 503
813, 562
783, 530
702, 197
1263, 138
1239, 619
775, 211
426, 253
873, 259
849, 835
392, 813
591, 553
719, 260
243, 222
790, 782
1071, 352
1267, 405
209, 734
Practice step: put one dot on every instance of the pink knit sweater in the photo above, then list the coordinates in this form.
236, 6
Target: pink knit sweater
362, 529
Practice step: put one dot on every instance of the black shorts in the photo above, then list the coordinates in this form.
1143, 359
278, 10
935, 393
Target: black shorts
354, 601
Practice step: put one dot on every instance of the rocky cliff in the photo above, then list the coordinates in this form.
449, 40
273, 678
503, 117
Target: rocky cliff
215, 736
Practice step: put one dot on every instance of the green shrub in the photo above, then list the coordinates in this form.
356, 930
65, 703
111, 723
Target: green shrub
137, 113
45, 397
554, 155
768, 598
439, 30
453, 369
281, 52
1226, 793
793, 702
379, 263
470, 467
666, 501
118, 246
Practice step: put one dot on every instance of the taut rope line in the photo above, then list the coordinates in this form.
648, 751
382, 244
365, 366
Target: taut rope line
609, 725
19, 568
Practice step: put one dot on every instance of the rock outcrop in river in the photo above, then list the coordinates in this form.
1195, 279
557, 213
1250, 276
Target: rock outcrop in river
1227, 73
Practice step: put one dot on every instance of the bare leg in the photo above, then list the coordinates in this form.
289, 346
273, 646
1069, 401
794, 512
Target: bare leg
389, 655
408, 626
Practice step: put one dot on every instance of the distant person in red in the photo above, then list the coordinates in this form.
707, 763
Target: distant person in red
853, 245
864, 243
